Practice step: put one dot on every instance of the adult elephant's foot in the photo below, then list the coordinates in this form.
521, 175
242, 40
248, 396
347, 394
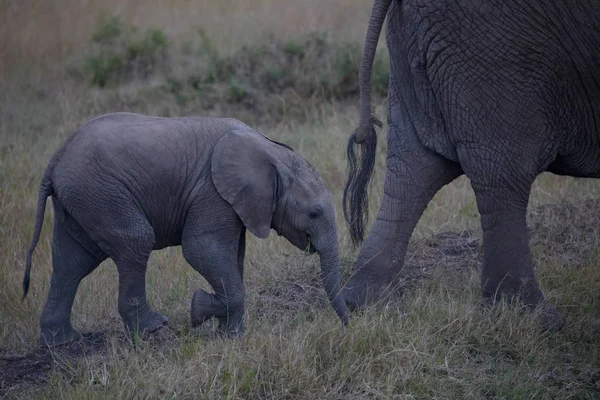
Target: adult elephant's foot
230, 315
359, 293
145, 322
375, 272
58, 335
549, 318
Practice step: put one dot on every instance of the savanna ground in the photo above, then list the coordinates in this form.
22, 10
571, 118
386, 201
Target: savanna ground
289, 69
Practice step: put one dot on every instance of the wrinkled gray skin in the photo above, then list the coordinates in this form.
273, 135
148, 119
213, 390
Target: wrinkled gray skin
126, 184
498, 90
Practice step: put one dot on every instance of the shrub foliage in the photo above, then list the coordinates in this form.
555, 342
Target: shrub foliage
274, 78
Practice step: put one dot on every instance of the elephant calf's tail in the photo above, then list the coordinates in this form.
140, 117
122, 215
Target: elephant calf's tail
356, 205
44, 192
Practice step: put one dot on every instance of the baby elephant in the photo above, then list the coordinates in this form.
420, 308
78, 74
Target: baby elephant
126, 184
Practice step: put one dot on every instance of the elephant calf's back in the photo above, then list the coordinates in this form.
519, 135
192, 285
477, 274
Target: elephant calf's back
123, 164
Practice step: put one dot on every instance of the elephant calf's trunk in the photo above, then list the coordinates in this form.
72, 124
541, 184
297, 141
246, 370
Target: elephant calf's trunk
331, 280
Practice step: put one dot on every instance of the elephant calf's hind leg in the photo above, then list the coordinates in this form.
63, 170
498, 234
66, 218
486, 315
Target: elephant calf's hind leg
71, 262
133, 306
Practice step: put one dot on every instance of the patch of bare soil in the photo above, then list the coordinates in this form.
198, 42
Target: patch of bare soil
445, 248
297, 291
32, 369
448, 250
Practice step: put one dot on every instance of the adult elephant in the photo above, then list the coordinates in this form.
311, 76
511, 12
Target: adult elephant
498, 90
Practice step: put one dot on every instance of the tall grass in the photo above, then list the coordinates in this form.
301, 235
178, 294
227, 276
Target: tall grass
435, 340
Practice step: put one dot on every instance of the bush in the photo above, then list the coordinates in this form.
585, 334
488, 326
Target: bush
272, 79
315, 66
121, 51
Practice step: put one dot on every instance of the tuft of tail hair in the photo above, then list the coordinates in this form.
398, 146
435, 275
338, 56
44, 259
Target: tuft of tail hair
360, 171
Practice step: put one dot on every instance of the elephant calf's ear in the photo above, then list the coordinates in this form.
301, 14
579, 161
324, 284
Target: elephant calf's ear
244, 174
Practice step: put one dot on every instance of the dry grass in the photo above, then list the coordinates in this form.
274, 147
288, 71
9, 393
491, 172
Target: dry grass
434, 341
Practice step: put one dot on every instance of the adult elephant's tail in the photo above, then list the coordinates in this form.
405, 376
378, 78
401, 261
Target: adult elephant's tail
356, 207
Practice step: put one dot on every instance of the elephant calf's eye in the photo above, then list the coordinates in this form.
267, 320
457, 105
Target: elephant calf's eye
315, 213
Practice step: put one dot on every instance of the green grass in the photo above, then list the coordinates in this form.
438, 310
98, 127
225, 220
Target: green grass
436, 340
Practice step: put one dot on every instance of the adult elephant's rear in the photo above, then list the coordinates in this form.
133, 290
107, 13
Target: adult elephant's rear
498, 90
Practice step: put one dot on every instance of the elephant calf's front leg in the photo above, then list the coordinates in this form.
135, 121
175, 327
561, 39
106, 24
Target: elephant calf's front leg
229, 312
216, 258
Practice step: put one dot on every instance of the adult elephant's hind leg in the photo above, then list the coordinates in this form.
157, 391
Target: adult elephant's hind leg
502, 185
413, 175
71, 262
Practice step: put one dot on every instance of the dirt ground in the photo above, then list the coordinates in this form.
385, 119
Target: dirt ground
33, 368
560, 233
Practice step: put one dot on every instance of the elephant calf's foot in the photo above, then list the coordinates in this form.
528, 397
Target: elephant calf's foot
57, 336
206, 306
232, 326
203, 307
145, 322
